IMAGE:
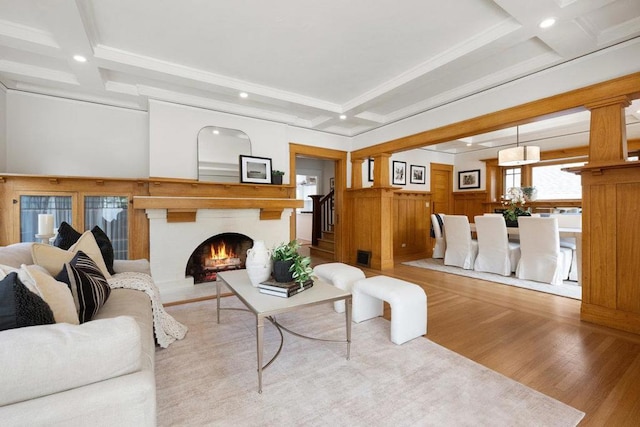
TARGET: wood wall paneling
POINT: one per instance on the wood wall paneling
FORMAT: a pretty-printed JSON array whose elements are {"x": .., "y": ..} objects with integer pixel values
[
  {"x": 411, "y": 224},
  {"x": 628, "y": 242}
]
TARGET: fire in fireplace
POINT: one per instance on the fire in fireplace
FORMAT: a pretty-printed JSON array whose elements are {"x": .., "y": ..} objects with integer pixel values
[{"x": 226, "y": 251}]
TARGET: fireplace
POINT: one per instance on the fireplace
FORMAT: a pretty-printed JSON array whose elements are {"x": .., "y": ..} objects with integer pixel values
[
  {"x": 222, "y": 252},
  {"x": 171, "y": 244}
]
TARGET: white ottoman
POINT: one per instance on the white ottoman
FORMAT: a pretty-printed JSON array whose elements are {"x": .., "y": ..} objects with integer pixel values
[
  {"x": 342, "y": 276},
  {"x": 408, "y": 303}
]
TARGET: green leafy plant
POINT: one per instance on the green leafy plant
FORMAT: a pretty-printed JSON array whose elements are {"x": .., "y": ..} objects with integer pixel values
[
  {"x": 301, "y": 265},
  {"x": 286, "y": 251},
  {"x": 276, "y": 172}
]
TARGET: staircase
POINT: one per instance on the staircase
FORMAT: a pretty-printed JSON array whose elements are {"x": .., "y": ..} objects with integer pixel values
[
  {"x": 325, "y": 247},
  {"x": 322, "y": 240}
]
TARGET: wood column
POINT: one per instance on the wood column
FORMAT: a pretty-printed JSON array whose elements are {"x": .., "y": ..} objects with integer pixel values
[
  {"x": 356, "y": 173},
  {"x": 608, "y": 137},
  {"x": 610, "y": 231},
  {"x": 381, "y": 170},
  {"x": 371, "y": 218}
]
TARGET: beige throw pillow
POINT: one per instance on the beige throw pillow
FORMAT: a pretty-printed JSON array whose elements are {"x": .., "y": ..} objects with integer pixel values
[
  {"x": 53, "y": 259},
  {"x": 56, "y": 294}
]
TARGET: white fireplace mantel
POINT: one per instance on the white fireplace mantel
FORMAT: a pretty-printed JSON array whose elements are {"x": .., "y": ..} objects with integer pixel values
[{"x": 172, "y": 243}]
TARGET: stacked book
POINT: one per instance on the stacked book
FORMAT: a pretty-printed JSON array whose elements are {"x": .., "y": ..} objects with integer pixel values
[{"x": 283, "y": 289}]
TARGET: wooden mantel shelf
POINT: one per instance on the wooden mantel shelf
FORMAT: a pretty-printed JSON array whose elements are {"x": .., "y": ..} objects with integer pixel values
[{"x": 270, "y": 208}]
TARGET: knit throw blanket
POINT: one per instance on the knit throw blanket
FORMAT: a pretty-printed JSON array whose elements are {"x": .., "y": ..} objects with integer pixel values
[{"x": 166, "y": 328}]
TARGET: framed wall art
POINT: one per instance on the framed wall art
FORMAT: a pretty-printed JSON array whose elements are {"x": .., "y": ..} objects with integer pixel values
[
  {"x": 370, "y": 169},
  {"x": 469, "y": 179},
  {"x": 399, "y": 173},
  {"x": 255, "y": 170},
  {"x": 417, "y": 174}
]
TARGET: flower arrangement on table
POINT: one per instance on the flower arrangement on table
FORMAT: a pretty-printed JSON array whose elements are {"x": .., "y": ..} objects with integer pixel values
[{"x": 514, "y": 202}]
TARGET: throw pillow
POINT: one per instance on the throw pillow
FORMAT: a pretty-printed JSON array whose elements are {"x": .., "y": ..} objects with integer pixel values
[
  {"x": 88, "y": 285},
  {"x": 56, "y": 294},
  {"x": 53, "y": 259},
  {"x": 106, "y": 247},
  {"x": 19, "y": 307},
  {"x": 68, "y": 236}
]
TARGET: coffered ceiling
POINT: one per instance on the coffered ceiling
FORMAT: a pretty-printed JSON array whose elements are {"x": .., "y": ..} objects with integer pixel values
[{"x": 301, "y": 62}]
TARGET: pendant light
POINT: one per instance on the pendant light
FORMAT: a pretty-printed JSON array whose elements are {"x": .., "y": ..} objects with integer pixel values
[{"x": 518, "y": 155}]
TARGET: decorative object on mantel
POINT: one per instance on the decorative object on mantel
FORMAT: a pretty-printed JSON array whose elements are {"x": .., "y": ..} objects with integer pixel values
[
  {"x": 289, "y": 265},
  {"x": 258, "y": 263},
  {"x": 514, "y": 202},
  {"x": 276, "y": 176},
  {"x": 519, "y": 155}
]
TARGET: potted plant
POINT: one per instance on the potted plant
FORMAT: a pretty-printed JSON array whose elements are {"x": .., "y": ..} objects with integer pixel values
[
  {"x": 289, "y": 265},
  {"x": 514, "y": 202},
  {"x": 276, "y": 176}
]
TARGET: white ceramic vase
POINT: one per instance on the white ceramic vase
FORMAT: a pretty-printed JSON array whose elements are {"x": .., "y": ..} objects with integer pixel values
[{"x": 258, "y": 263}]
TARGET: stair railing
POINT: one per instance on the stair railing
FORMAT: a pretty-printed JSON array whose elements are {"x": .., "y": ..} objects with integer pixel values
[{"x": 322, "y": 219}]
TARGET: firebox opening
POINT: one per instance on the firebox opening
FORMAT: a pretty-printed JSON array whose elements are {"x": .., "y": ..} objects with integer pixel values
[{"x": 225, "y": 251}]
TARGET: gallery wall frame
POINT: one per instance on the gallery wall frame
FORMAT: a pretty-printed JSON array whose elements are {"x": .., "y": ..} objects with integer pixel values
[
  {"x": 255, "y": 170},
  {"x": 417, "y": 174},
  {"x": 469, "y": 179},
  {"x": 399, "y": 173}
]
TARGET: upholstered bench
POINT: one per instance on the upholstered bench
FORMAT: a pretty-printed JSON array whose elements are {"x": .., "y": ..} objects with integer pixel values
[
  {"x": 408, "y": 303},
  {"x": 342, "y": 276}
]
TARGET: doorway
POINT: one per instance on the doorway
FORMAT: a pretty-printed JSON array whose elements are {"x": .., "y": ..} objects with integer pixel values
[{"x": 330, "y": 169}]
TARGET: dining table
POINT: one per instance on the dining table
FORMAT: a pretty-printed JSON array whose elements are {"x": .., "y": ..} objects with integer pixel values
[{"x": 568, "y": 232}]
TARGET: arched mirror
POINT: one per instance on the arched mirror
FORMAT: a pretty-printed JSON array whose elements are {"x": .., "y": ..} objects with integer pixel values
[{"x": 219, "y": 151}]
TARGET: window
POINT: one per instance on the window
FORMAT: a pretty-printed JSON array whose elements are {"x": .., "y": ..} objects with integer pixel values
[
  {"x": 306, "y": 185},
  {"x": 110, "y": 213},
  {"x": 512, "y": 178},
  {"x": 554, "y": 183},
  {"x": 31, "y": 206}
]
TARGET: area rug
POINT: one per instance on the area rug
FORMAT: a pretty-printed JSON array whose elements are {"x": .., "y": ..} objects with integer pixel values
[
  {"x": 567, "y": 289},
  {"x": 209, "y": 378}
]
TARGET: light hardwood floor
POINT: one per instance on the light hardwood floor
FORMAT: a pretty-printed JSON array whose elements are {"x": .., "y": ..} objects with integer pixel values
[{"x": 536, "y": 339}]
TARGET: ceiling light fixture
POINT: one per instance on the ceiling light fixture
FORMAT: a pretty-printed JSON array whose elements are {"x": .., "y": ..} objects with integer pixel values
[
  {"x": 79, "y": 58},
  {"x": 216, "y": 132},
  {"x": 546, "y": 23},
  {"x": 244, "y": 95},
  {"x": 518, "y": 156},
  {"x": 343, "y": 117}
]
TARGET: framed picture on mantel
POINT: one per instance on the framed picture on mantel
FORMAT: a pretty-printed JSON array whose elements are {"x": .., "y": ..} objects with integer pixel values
[{"x": 255, "y": 170}]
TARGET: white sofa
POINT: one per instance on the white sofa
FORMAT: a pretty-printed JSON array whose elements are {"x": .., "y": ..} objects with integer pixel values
[{"x": 99, "y": 373}]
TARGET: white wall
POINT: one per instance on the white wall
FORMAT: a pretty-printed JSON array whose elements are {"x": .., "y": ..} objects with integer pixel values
[
  {"x": 56, "y": 136},
  {"x": 173, "y": 131},
  {"x": 3, "y": 129},
  {"x": 417, "y": 157}
]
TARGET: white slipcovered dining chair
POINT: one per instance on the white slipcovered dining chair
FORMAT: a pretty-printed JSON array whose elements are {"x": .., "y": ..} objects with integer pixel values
[
  {"x": 438, "y": 232},
  {"x": 495, "y": 253},
  {"x": 570, "y": 220},
  {"x": 541, "y": 257},
  {"x": 461, "y": 250}
]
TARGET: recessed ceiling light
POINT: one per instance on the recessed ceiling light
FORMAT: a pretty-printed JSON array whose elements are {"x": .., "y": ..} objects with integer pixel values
[
  {"x": 343, "y": 117},
  {"x": 546, "y": 23},
  {"x": 244, "y": 95},
  {"x": 469, "y": 144},
  {"x": 79, "y": 58},
  {"x": 216, "y": 132}
]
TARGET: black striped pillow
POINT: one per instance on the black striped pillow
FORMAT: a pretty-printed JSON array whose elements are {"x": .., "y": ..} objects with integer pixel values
[{"x": 88, "y": 285}]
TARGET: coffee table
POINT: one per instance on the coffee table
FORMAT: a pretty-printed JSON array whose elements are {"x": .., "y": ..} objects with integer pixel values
[{"x": 265, "y": 306}]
